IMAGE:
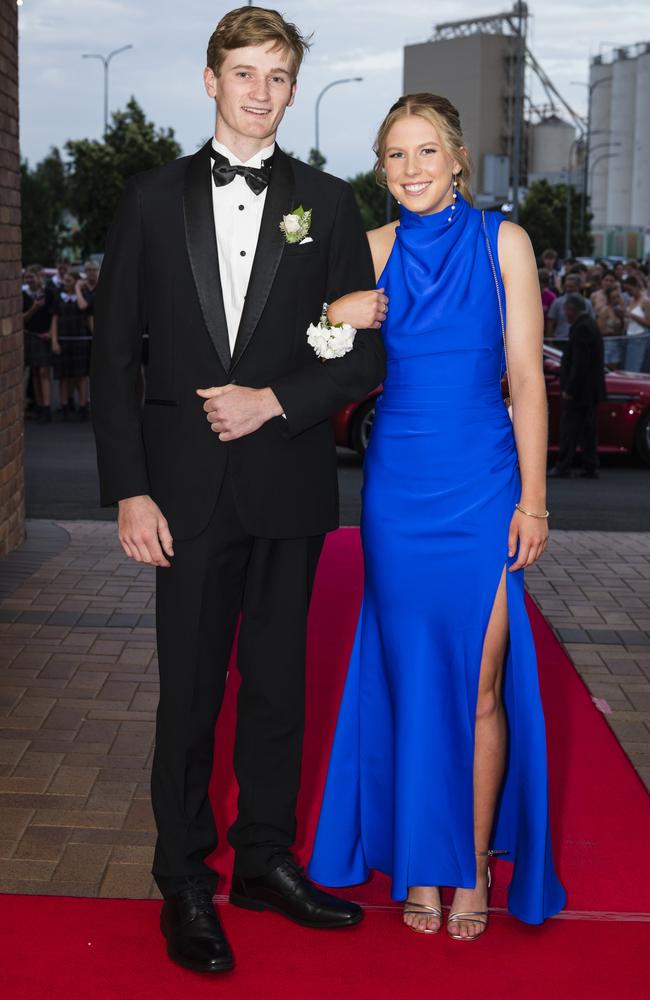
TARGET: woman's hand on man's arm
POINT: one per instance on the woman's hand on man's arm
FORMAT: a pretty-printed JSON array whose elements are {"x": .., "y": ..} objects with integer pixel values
[{"x": 362, "y": 310}]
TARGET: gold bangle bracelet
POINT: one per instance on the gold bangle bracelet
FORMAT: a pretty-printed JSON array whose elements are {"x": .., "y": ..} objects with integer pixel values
[{"x": 530, "y": 512}]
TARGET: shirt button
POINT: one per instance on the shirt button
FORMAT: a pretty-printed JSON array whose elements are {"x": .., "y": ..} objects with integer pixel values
[
  {"x": 241, "y": 208},
  {"x": 242, "y": 253}
]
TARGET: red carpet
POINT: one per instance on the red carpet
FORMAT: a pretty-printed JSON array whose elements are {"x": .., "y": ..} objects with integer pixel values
[
  {"x": 600, "y": 823},
  {"x": 112, "y": 950}
]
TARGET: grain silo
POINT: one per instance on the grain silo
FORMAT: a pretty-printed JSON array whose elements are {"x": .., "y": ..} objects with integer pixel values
[
  {"x": 619, "y": 148},
  {"x": 600, "y": 151},
  {"x": 551, "y": 150},
  {"x": 640, "y": 211}
]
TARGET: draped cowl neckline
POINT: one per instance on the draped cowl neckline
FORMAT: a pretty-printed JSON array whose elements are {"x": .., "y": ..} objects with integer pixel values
[
  {"x": 425, "y": 260},
  {"x": 422, "y": 230}
]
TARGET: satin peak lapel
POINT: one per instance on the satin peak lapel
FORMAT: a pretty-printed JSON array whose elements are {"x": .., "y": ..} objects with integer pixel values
[
  {"x": 268, "y": 254},
  {"x": 202, "y": 249}
]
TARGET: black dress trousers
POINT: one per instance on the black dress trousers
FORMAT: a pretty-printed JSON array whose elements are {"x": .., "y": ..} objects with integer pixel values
[
  {"x": 216, "y": 575},
  {"x": 578, "y": 427}
]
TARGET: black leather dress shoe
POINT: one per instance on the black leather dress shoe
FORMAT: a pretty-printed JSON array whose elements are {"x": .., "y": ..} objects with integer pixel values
[
  {"x": 286, "y": 890},
  {"x": 195, "y": 938}
]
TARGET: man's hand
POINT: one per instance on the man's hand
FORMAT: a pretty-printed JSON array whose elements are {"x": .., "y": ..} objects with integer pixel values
[
  {"x": 144, "y": 532},
  {"x": 234, "y": 410}
]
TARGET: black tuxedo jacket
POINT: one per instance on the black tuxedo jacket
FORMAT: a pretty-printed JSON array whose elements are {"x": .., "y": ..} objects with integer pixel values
[
  {"x": 160, "y": 275},
  {"x": 582, "y": 370}
]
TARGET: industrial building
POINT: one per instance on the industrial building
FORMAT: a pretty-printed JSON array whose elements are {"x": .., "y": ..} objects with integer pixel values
[
  {"x": 619, "y": 170},
  {"x": 484, "y": 67},
  {"x": 491, "y": 96},
  {"x": 482, "y": 92}
]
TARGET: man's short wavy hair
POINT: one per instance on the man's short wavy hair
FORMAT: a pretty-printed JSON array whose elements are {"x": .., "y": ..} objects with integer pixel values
[{"x": 256, "y": 26}]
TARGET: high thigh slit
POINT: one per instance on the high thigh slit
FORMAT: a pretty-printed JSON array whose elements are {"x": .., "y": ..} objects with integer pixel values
[{"x": 440, "y": 486}]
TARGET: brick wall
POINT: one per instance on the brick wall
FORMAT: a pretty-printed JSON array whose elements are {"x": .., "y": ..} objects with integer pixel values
[{"x": 12, "y": 503}]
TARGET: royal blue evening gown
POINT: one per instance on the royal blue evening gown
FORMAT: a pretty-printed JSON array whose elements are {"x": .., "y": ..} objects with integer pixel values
[{"x": 441, "y": 483}]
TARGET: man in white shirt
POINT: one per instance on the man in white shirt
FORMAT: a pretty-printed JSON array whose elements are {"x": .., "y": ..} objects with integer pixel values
[{"x": 227, "y": 481}]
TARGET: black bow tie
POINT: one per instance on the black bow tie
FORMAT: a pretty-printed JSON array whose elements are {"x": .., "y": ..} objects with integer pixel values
[{"x": 224, "y": 172}]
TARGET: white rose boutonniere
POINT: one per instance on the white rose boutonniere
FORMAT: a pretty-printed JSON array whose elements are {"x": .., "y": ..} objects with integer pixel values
[
  {"x": 296, "y": 225},
  {"x": 330, "y": 341}
]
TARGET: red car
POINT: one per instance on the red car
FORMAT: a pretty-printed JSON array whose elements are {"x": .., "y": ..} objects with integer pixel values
[{"x": 623, "y": 419}]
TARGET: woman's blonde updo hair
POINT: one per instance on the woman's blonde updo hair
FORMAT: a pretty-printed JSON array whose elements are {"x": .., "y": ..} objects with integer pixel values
[{"x": 444, "y": 117}]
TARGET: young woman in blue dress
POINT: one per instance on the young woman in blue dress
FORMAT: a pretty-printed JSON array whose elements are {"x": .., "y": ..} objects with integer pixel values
[{"x": 439, "y": 757}]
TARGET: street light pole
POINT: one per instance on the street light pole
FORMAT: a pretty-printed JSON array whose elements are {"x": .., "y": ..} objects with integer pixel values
[
  {"x": 567, "y": 213},
  {"x": 585, "y": 176},
  {"x": 603, "y": 156},
  {"x": 521, "y": 12},
  {"x": 334, "y": 83},
  {"x": 106, "y": 60}
]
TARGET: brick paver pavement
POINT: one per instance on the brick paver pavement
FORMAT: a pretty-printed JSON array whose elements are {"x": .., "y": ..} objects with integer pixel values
[{"x": 78, "y": 689}]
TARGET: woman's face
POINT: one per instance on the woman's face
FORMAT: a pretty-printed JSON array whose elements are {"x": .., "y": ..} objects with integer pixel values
[
  {"x": 68, "y": 282},
  {"x": 418, "y": 168}
]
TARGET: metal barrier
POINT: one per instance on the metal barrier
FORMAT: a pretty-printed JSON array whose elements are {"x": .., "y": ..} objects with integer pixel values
[{"x": 630, "y": 354}]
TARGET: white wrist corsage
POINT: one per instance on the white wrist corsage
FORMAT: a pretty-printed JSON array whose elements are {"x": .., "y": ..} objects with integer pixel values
[{"x": 329, "y": 341}]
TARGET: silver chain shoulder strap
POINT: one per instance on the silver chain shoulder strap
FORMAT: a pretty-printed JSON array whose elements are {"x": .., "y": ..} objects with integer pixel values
[{"x": 508, "y": 400}]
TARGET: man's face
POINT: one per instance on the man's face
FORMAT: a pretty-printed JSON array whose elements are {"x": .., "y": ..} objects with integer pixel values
[
  {"x": 253, "y": 89},
  {"x": 609, "y": 281},
  {"x": 91, "y": 274},
  {"x": 572, "y": 284},
  {"x": 33, "y": 281},
  {"x": 62, "y": 268}
]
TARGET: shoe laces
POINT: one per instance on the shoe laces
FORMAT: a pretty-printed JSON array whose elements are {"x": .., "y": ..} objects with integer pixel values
[
  {"x": 294, "y": 870},
  {"x": 198, "y": 897}
]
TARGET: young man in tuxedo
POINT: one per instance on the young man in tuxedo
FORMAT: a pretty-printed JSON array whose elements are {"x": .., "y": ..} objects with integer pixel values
[{"x": 229, "y": 490}]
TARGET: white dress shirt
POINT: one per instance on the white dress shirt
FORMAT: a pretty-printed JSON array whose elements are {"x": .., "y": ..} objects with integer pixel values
[{"x": 237, "y": 218}]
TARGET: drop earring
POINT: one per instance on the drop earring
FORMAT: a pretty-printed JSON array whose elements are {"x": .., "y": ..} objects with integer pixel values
[{"x": 454, "y": 197}]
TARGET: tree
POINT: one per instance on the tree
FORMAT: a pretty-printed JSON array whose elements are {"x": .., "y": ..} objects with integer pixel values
[
  {"x": 371, "y": 199},
  {"x": 543, "y": 216},
  {"x": 316, "y": 159},
  {"x": 44, "y": 203},
  {"x": 99, "y": 170}
]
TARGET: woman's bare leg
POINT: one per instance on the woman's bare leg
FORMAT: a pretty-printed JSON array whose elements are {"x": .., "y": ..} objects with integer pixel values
[{"x": 491, "y": 737}]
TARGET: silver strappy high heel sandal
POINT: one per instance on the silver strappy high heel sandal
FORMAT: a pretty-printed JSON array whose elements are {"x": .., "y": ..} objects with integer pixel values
[
  {"x": 411, "y": 908},
  {"x": 473, "y": 916}
]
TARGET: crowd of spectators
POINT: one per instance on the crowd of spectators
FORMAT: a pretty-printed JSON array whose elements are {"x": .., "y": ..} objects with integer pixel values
[
  {"x": 58, "y": 326},
  {"x": 616, "y": 295},
  {"x": 58, "y": 323}
]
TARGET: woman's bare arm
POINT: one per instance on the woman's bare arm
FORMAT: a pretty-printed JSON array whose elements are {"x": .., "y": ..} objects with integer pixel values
[{"x": 524, "y": 339}]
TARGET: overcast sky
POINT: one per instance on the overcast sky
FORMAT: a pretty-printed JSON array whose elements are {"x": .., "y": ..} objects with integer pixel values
[{"x": 62, "y": 95}]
